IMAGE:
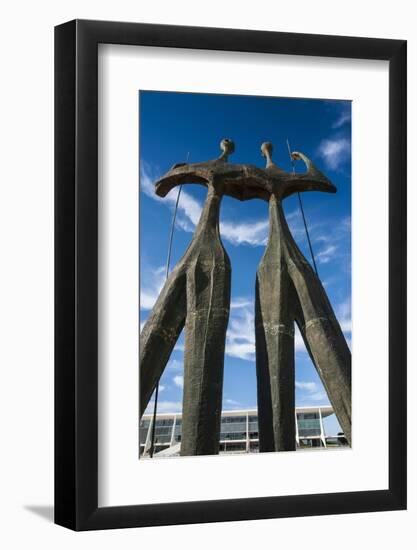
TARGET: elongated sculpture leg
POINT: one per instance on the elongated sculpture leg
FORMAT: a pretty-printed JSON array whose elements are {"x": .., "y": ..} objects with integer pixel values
[
  {"x": 160, "y": 333},
  {"x": 208, "y": 302},
  {"x": 197, "y": 294},
  {"x": 274, "y": 330},
  {"x": 325, "y": 341},
  {"x": 265, "y": 416},
  {"x": 275, "y": 367},
  {"x": 208, "y": 289}
]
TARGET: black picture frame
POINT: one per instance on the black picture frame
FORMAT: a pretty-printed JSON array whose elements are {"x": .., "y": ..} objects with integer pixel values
[{"x": 76, "y": 272}]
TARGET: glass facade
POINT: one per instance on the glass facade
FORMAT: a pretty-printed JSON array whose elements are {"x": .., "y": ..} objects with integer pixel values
[
  {"x": 163, "y": 430},
  {"x": 238, "y": 430},
  {"x": 143, "y": 430},
  {"x": 177, "y": 431},
  {"x": 233, "y": 428},
  {"x": 308, "y": 424}
]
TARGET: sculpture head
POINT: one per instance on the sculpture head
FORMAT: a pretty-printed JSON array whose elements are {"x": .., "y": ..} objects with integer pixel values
[
  {"x": 284, "y": 184},
  {"x": 266, "y": 149},
  {"x": 236, "y": 180},
  {"x": 228, "y": 147}
]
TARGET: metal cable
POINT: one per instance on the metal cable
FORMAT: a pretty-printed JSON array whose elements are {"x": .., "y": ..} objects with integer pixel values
[
  {"x": 302, "y": 213},
  {"x": 307, "y": 233},
  {"x": 171, "y": 235}
]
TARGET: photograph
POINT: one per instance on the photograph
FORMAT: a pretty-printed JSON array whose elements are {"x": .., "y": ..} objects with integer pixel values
[
  {"x": 209, "y": 335},
  {"x": 245, "y": 274}
]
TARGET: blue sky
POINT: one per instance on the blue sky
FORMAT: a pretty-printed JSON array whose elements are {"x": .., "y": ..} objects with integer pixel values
[{"x": 174, "y": 125}]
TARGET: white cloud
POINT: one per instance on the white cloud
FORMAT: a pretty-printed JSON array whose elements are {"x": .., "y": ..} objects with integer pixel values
[
  {"x": 182, "y": 223},
  {"x": 174, "y": 364},
  {"x": 189, "y": 211},
  {"x": 188, "y": 205},
  {"x": 231, "y": 402},
  {"x": 333, "y": 231},
  {"x": 255, "y": 234},
  {"x": 319, "y": 396},
  {"x": 298, "y": 340},
  {"x": 178, "y": 381},
  {"x": 241, "y": 302},
  {"x": 296, "y": 225},
  {"x": 334, "y": 152},
  {"x": 240, "y": 336},
  {"x": 344, "y": 316},
  {"x": 241, "y": 350},
  {"x": 164, "y": 407},
  {"x": 326, "y": 236},
  {"x": 179, "y": 347},
  {"x": 331, "y": 241},
  {"x": 151, "y": 285},
  {"x": 342, "y": 119},
  {"x": 326, "y": 254},
  {"x": 307, "y": 386},
  {"x": 311, "y": 391}
]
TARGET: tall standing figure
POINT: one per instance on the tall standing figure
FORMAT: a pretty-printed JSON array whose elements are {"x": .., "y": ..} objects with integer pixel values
[
  {"x": 288, "y": 290},
  {"x": 197, "y": 295}
]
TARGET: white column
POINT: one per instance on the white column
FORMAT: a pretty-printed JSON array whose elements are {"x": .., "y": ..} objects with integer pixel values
[
  {"x": 247, "y": 433},
  {"x": 172, "y": 442},
  {"x": 148, "y": 437},
  {"x": 297, "y": 437},
  {"x": 322, "y": 434}
]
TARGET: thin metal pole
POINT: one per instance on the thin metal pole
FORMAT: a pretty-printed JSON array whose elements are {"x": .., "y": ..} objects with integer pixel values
[
  {"x": 172, "y": 232},
  {"x": 155, "y": 405},
  {"x": 171, "y": 236},
  {"x": 308, "y": 235},
  {"x": 302, "y": 214}
]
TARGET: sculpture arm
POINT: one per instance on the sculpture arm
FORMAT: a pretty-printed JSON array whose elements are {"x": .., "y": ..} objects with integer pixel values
[
  {"x": 181, "y": 174},
  {"x": 311, "y": 180},
  {"x": 201, "y": 173}
]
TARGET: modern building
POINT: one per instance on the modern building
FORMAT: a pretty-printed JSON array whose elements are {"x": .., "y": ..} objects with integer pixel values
[{"x": 239, "y": 431}]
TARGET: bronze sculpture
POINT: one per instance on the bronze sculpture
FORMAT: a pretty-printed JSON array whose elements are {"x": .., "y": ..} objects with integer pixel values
[
  {"x": 197, "y": 295},
  {"x": 288, "y": 290}
]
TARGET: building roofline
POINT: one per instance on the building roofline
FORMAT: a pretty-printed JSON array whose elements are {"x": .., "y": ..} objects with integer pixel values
[{"x": 326, "y": 409}]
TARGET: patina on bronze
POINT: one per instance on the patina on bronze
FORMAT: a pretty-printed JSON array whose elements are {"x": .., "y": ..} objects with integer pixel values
[
  {"x": 288, "y": 290},
  {"x": 197, "y": 295}
]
